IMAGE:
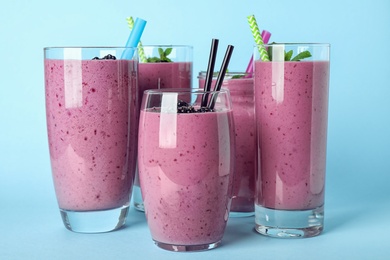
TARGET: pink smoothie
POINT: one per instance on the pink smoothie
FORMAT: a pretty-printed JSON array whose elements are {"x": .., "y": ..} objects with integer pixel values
[
  {"x": 89, "y": 121},
  {"x": 186, "y": 181},
  {"x": 292, "y": 125},
  {"x": 242, "y": 96},
  {"x": 160, "y": 75}
]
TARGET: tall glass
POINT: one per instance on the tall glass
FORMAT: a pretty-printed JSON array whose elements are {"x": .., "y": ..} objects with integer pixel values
[
  {"x": 291, "y": 102},
  {"x": 240, "y": 87},
  {"x": 91, "y": 113},
  {"x": 162, "y": 67},
  {"x": 186, "y": 167}
]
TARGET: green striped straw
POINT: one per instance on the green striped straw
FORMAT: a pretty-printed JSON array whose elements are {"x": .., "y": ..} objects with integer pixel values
[
  {"x": 141, "y": 52},
  {"x": 258, "y": 39}
]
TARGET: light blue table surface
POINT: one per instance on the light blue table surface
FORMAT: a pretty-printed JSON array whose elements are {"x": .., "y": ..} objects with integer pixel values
[{"x": 356, "y": 227}]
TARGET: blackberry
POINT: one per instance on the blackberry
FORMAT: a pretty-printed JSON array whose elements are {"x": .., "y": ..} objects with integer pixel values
[
  {"x": 204, "y": 110},
  {"x": 181, "y": 103},
  {"x": 107, "y": 57}
]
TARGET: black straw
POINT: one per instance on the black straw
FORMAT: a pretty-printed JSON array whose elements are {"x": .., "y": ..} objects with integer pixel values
[
  {"x": 210, "y": 71},
  {"x": 221, "y": 75}
]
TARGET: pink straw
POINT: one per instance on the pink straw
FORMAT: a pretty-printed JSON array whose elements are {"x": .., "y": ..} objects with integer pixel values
[{"x": 249, "y": 70}]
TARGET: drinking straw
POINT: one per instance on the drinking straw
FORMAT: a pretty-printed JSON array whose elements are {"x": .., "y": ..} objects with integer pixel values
[
  {"x": 265, "y": 35},
  {"x": 210, "y": 70},
  {"x": 221, "y": 74},
  {"x": 141, "y": 52},
  {"x": 134, "y": 38},
  {"x": 258, "y": 39},
  {"x": 249, "y": 69}
]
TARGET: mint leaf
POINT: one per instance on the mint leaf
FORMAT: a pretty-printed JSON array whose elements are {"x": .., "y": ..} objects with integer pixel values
[
  {"x": 163, "y": 56},
  {"x": 167, "y": 52},
  {"x": 302, "y": 55},
  {"x": 288, "y": 55},
  {"x": 238, "y": 76},
  {"x": 161, "y": 53},
  {"x": 165, "y": 59},
  {"x": 153, "y": 59},
  {"x": 269, "y": 53}
]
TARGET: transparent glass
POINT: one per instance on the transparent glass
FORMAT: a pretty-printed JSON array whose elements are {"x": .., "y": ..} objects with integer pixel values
[
  {"x": 241, "y": 90},
  {"x": 91, "y": 113},
  {"x": 185, "y": 167},
  {"x": 157, "y": 72},
  {"x": 291, "y": 103}
]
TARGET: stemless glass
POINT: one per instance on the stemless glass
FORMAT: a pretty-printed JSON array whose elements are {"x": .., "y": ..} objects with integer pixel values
[
  {"x": 91, "y": 112},
  {"x": 240, "y": 86},
  {"x": 291, "y": 102},
  {"x": 161, "y": 67},
  {"x": 186, "y": 165}
]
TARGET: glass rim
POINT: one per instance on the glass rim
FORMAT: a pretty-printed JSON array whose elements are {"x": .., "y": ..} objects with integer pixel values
[
  {"x": 184, "y": 91},
  {"x": 295, "y": 44},
  {"x": 168, "y": 46},
  {"x": 203, "y": 73},
  {"x": 87, "y": 47}
]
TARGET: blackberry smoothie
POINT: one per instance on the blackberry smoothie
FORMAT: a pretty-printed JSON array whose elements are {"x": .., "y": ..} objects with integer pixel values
[
  {"x": 91, "y": 109},
  {"x": 160, "y": 75},
  {"x": 292, "y": 134},
  {"x": 291, "y": 104},
  {"x": 242, "y": 96},
  {"x": 186, "y": 167},
  {"x": 165, "y": 72},
  {"x": 155, "y": 74}
]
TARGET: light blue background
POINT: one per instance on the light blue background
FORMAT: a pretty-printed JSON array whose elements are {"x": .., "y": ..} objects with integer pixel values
[{"x": 357, "y": 196}]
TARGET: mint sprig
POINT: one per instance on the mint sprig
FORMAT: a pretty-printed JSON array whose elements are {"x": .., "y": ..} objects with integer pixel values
[
  {"x": 288, "y": 55},
  {"x": 163, "y": 56}
]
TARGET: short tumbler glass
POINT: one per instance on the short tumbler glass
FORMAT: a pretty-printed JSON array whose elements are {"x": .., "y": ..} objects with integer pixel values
[
  {"x": 91, "y": 113},
  {"x": 291, "y": 104},
  {"x": 186, "y": 165}
]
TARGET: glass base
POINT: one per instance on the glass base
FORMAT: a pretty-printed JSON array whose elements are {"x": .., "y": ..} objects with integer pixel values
[
  {"x": 187, "y": 248},
  {"x": 239, "y": 214},
  {"x": 137, "y": 198},
  {"x": 242, "y": 206},
  {"x": 289, "y": 223},
  {"x": 94, "y": 221}
]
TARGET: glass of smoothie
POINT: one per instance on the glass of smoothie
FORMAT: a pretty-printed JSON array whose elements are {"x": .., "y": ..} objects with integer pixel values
[
  {"x": 291, "y": 104},
  {"x": 162, "y": 67},
  {"x": 241, "y": 92},
  {"x": 91, "y": 113},
  {"x": 186, "y": 167}
]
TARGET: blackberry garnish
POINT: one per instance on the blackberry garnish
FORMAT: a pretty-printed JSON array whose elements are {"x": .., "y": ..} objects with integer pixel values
[
  {"x": 107, "y": 57},
  {"x": 184, "y": 107}
]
